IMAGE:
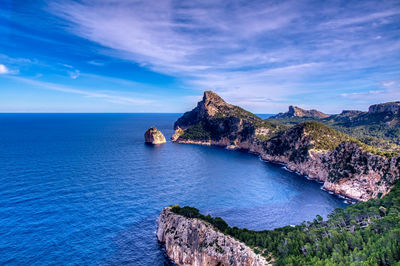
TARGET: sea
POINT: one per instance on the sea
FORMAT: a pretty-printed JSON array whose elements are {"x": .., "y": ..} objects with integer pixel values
[{"x": 84, "y": 189}]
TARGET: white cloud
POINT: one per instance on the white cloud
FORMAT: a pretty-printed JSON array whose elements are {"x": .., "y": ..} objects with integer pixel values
[
  {"x": 4, "y": 69},
  {"x": 96, "y": 63},
  {"x": 113, "y": 98}
]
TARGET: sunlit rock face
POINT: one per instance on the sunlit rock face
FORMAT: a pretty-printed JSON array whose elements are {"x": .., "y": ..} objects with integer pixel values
[
  {"x": 154, "y": 136},
  {"x": 191, "y": 241}
]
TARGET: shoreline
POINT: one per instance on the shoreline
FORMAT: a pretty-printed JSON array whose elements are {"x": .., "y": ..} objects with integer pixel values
[{"x": 347, "y": 200}]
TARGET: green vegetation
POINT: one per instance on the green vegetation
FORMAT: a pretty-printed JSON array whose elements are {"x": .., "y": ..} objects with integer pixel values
[
  {"x": 197, "y": 132},
  {"x": 238, "y": 112},
  {"x": 373, "y": 132},
  {"x": 324, "y": 137},
  {"x": 367, "y": 233},
  {"x": 191, "y": 212}
]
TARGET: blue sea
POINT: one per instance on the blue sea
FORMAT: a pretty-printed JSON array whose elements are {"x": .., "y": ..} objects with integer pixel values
[{"x": 85, "y": 189}]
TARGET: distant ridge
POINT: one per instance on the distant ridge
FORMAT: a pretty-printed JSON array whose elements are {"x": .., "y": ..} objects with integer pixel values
[{"x": 295, "y": 111}]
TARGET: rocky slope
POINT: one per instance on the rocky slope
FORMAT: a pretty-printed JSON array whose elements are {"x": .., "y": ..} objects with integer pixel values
[
  {"x": 385, "y": 114},
  {"x": 343, "y": 164},
  {"x": 295, "y": 111},
  {"x": 191, "y": 241},
  {"x": 154, "y": 136}
]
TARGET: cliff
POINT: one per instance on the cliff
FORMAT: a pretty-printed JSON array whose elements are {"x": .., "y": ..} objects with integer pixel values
[
  {"x": 154, "y": 136},
  {"x": 295, "y": 111},
  {"x": 390, "y": 107},
  {"x": 191, "y": 241},
  {"x": 345, "y": 165}
]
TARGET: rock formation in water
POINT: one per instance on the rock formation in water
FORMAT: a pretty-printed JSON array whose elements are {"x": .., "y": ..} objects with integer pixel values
[
  {"x": 295, "y": 111},
  {"x": 154, "y": 136},
  {"x": 342, "y": 163},
  {"x": 191, "y": 241}
]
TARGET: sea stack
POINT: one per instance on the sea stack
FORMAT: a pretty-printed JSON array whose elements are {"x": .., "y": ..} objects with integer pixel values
[{"x": 154, "y": 136}]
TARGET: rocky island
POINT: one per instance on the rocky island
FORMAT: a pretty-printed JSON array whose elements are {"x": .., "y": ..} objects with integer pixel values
[
  {"x": 154, "y": 136},
  {"x": 344, "y": 164}
]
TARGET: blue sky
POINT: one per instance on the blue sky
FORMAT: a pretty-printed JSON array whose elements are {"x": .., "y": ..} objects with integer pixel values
[{"x": 159, "y": 56}]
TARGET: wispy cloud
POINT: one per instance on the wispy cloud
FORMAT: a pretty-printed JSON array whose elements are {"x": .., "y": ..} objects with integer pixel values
[
  {"x": 86, "y": 93},
  {"x": 387, "y": 91},
  {"x": 74, "y": 74},
  {"x": 275, "y": 50},
  {"x": 96, "y": 63}
]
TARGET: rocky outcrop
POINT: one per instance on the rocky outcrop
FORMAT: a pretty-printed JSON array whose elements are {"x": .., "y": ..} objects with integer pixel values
[
  {"x": 391, "y": 107},
  {"x": 311, "y": 149},
  {"x": 191, "y": 241},
  {"x": 154, "y": 136},
  {"x": 295, "y": 111},
  {"x": 178, "y": 132}
]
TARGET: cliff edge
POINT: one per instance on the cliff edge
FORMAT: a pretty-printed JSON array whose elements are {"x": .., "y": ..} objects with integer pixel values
[{"x": 191, "y": 241}]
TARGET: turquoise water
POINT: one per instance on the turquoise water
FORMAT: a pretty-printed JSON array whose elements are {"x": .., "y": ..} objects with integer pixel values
[{"x": 85, "y": 189}]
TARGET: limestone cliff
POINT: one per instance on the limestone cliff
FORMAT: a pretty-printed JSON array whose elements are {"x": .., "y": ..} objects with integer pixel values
[
  {"x": 345, "y": 166},
  {"x": 295, "y": 111},
  {"x": 154, "y": 136},
  {"x": 391, "y": 107},
  {"x": 191, "y": 241}
]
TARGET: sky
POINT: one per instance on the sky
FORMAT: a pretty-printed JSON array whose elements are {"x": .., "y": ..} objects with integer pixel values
[{"x": 159, "y": 56}]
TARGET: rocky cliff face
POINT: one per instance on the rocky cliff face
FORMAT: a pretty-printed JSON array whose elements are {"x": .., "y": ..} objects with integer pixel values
[
  {"x": 295, "y": 111},
  {"x": 190, "y": 241},
  {"x": 393, "y": 107},
  {"x": 311, "y": 149},
  {"x": 347, "y": 170},
  {"x": 154, "y": 136}
]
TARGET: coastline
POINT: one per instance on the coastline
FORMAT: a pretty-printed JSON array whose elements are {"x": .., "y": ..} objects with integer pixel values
[{"x": 283, "y": 165}]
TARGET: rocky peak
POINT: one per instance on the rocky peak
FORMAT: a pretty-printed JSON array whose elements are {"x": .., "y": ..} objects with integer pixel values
[
  {"x": 295, "y": 111},
  {"x": 390, "y": 107},
  {"x": 212, "y": 104}
]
